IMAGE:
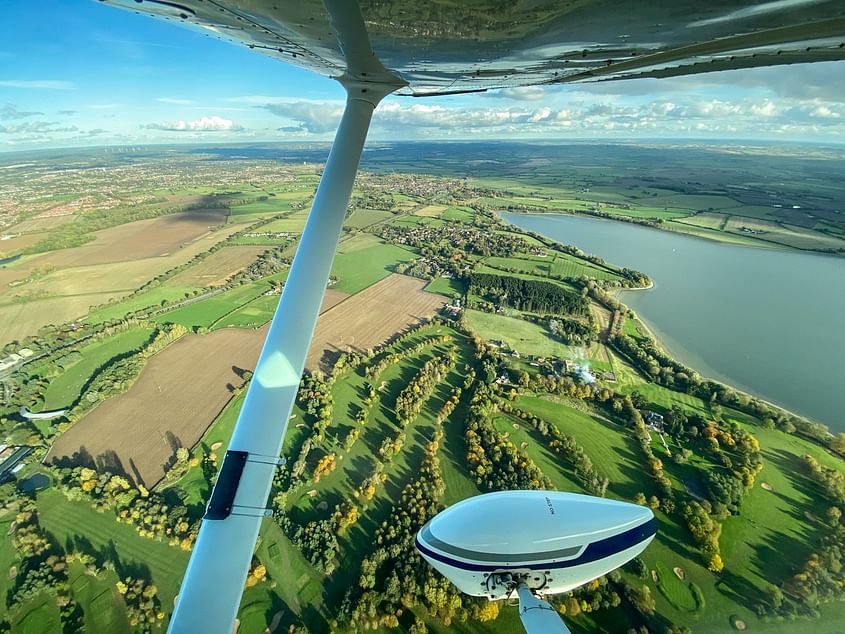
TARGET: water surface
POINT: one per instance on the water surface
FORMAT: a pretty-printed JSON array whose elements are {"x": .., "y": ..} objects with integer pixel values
[{"x": 769, "y": 322}]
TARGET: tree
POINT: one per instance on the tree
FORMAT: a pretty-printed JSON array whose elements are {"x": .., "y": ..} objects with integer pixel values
[
  {"x": 715, "y": 563},
  {"x": 775, "y": 597},
  {"x": 489, "y": 612}
]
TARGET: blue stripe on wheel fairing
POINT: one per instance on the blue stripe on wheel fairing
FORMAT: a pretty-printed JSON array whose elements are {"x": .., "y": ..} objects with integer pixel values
[{"x": 595, "y": 551}]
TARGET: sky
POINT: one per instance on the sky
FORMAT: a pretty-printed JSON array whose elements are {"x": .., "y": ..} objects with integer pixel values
[{"x": 76, "y": 73}]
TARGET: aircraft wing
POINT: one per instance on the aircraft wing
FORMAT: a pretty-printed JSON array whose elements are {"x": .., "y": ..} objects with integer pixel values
[{"x": 447, "y": 47}]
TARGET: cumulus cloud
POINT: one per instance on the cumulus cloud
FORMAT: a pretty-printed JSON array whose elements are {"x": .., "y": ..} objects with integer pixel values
[
  {"x": 204, "y": 124},
  {"x": 521, "y": 93},
  {"x": 311, "y": 116},
  {"x": 684, "y": 115},
  {"x": 37, "y": 84}
]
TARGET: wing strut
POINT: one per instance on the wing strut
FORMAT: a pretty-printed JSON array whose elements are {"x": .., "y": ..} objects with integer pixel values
[{"x": 211, "y": 589}]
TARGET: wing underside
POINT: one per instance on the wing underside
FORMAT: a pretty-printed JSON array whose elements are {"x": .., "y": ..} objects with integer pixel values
[{"x": 446, "y": 47}]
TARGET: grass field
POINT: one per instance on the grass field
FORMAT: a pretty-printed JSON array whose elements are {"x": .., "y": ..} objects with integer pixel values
[
  {"x": 10, "y": 245},
  {"x": 38, "y": 615},
  {"x": 77, "y": 524},
  {"x": 44, "y": 223},
  {"x": 789, "y": 235},
  {"x": 609, "y": 445},
  {"x": 148, "y": 299},
  {"x": 293, "y": 222},
  {"x": 430, "y": 211},
  {"x": 519, "y": 334},
  {"x": 708, "y": 220},
  {"x": 523, "y": 438},
  {"x": 357, "y": 242},
  {"x": 65, "y": 388},
  {"x": 102, "y": 604},
  {"x": 715, "y": 234},
  {"x": 357, "y": 269},
  {"x": 8, "y": 555},
  {"x": 458, "y": 214},
  {"x": 260, "y": 310},
  {"x": 664, "y": 213},
  {"x": 448, "y": 286},
  {"x": 276, "y": 204},
  {"x": 208, "y": 311},
  {"x": 365, "y": 217},
  {"x": 557, "y": 264}
]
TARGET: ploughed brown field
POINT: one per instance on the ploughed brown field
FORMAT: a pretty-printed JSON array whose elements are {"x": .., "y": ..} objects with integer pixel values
[
  {"x": 218, "y": 267},
  {"x": 19, "y": 242},
  {"x": 370, "y": 317},
  {"x": 178, "y": 395},
  {"x": 132, "y": 241}
]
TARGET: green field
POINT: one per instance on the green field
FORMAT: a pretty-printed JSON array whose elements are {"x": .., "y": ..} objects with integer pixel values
[
  {"x": 365, "y": 217},
  {"x": 518, "y": 334},
  {"x": 38, "y": 615},
  {"x": 458, "y": 214},
  {"x": 556, "y": 264},
  {"x": 610, "y": 447},
  {"x": 104, "y": 609},
  {"x": 65, "y": 388},
  {"x": 276, "y": 204},
  {"x": 448, "y": 286},
  {"x": 294, "y": 222},
  {"x": 256, "y": 313},
  {"x": 358, "y": 269},
  {"x": 147, "y": 299},
  {"x": 8, "y": 555},
  {"x": 206, "y": 312},
  {"x": 79, "y": 525}
]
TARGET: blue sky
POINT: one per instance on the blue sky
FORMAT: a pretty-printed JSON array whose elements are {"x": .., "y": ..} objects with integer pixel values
[{"x": 75, "y": 72}]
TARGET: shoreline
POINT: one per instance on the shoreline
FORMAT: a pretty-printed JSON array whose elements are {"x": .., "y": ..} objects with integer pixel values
[
  {"x": 683, "y": 353},
  {"x": 760, "y": 244},
  {"x": 661, "y": 345}
]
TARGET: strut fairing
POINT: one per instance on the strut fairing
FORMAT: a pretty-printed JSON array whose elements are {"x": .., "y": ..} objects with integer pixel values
[{"x": 439, "y": 48}]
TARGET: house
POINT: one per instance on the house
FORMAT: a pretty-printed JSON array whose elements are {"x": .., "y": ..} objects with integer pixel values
[{"x": 652, "y": 420}]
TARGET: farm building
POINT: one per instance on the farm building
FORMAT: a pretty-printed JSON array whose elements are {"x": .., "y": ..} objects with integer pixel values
[{"x": 653, "y": 420}]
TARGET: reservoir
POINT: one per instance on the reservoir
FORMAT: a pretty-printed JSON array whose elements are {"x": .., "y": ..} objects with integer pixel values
[{"x": 769, "y": 322}]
